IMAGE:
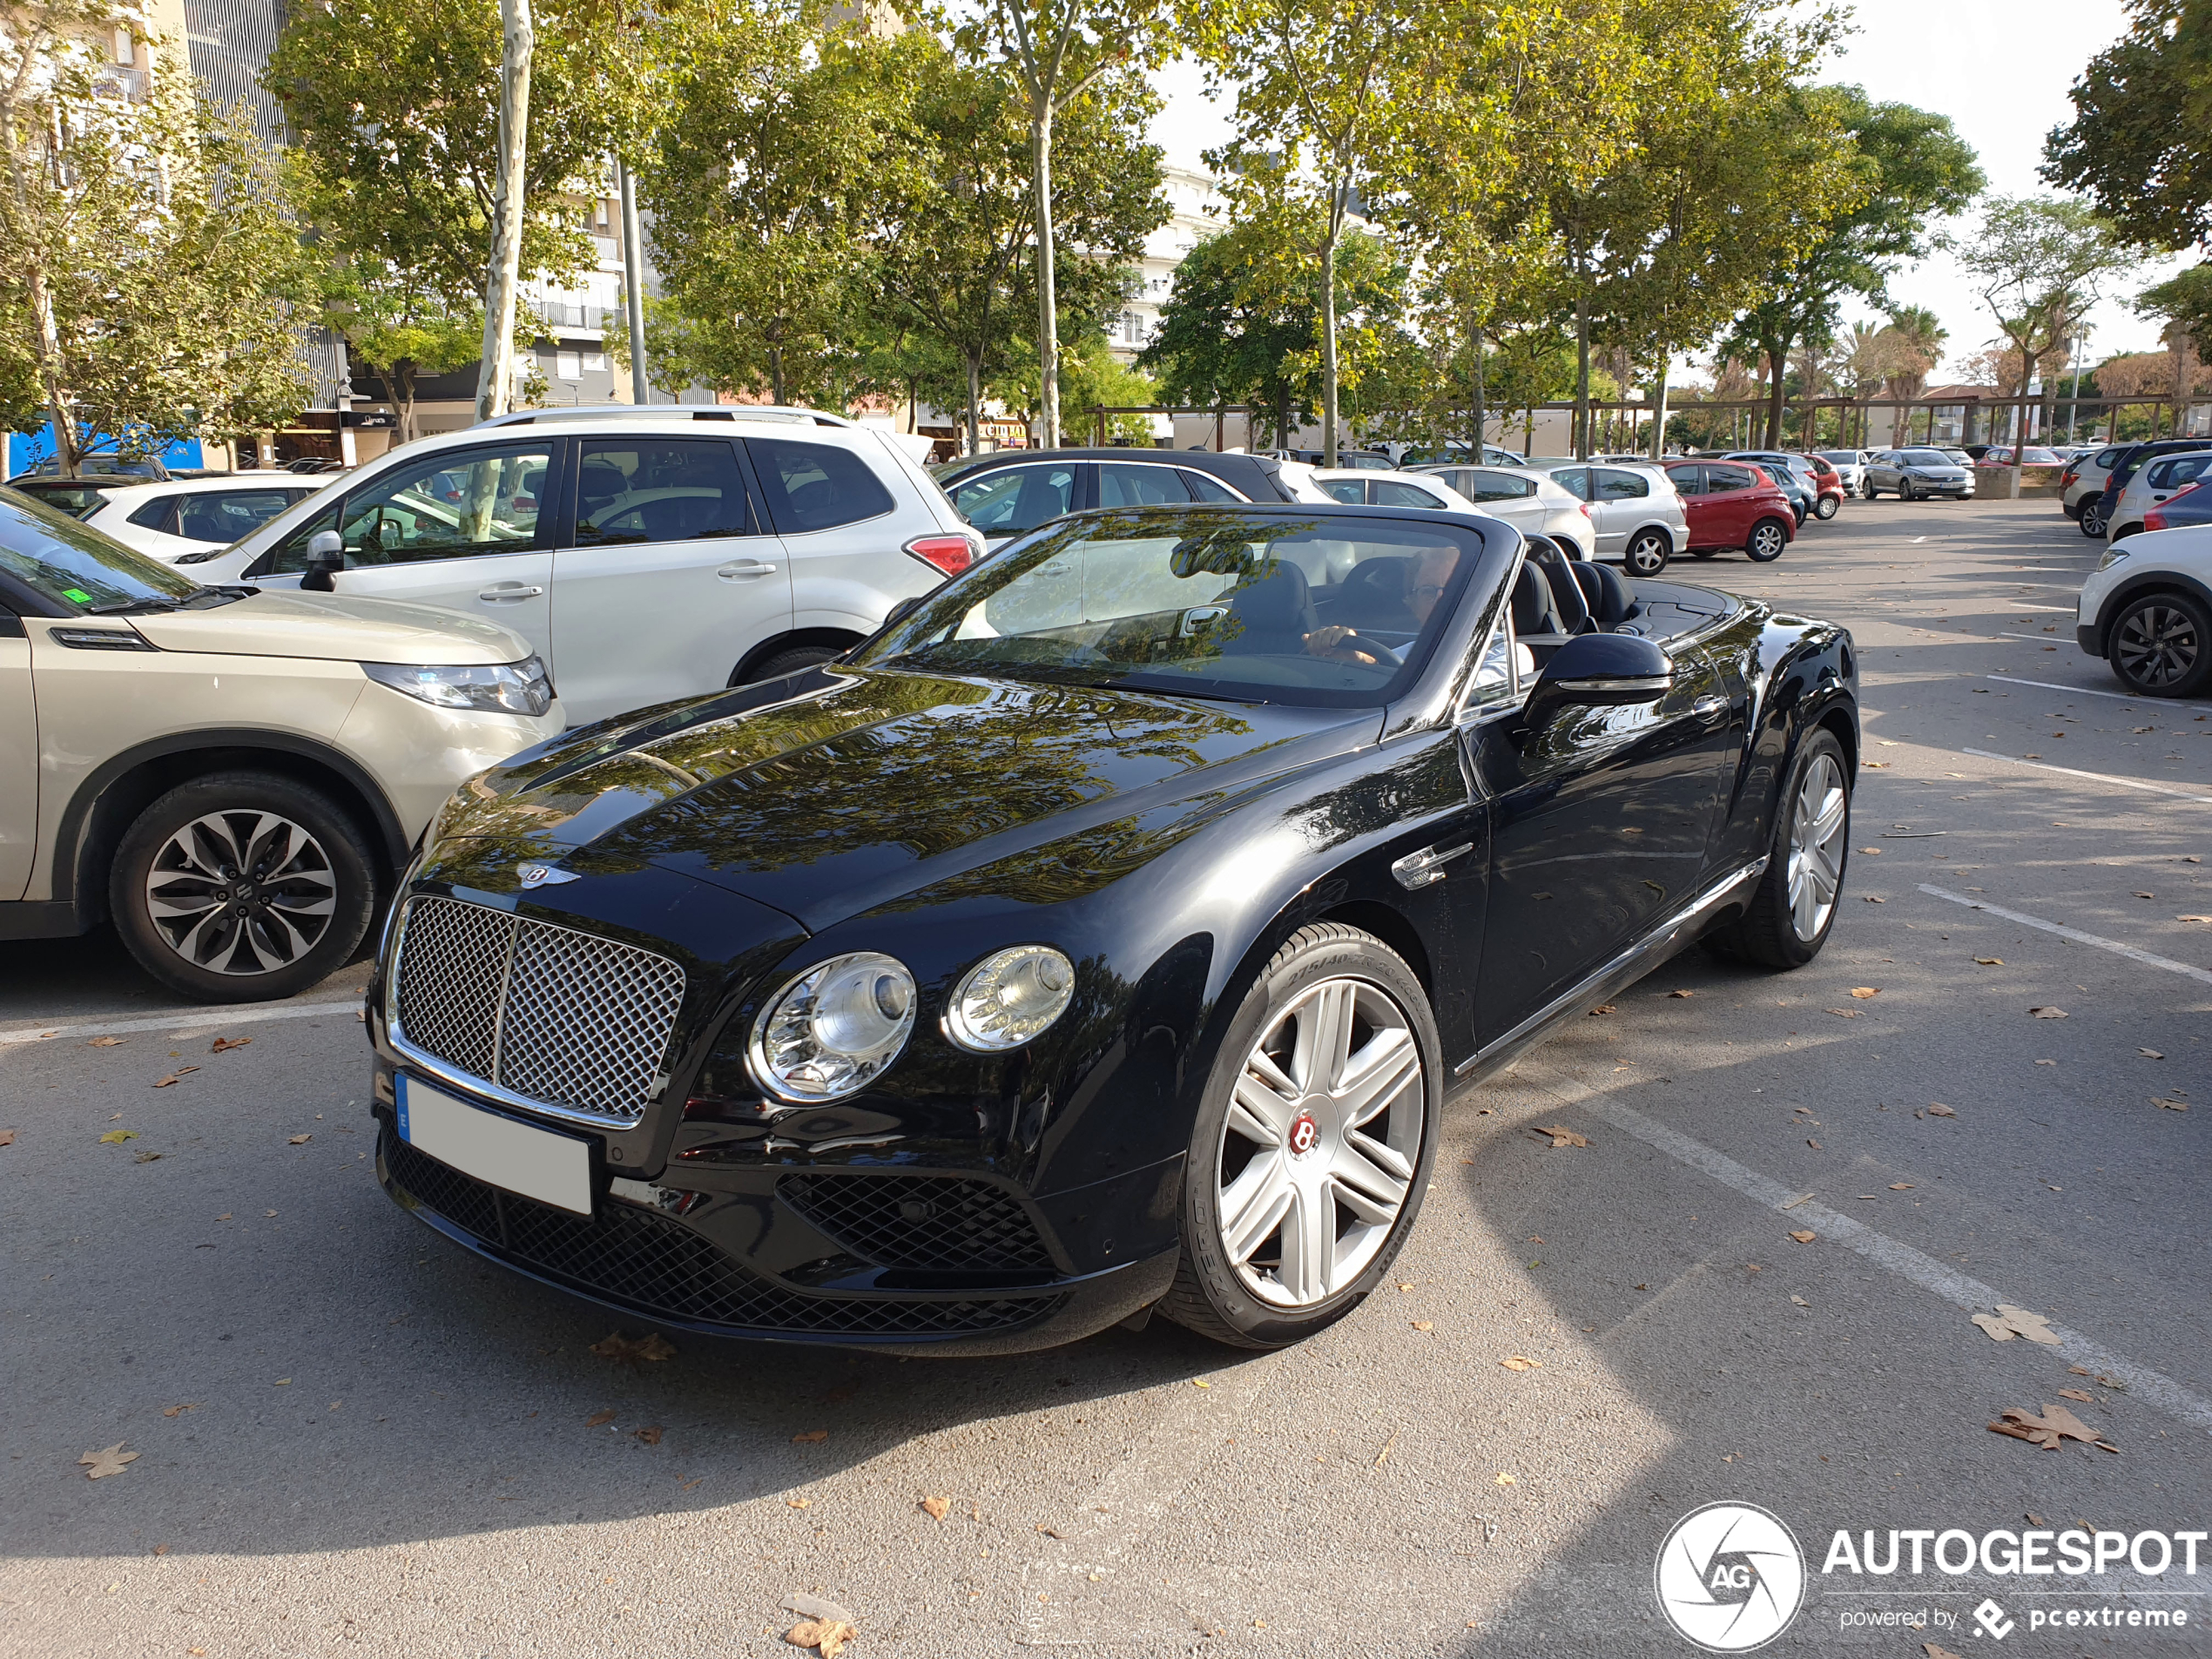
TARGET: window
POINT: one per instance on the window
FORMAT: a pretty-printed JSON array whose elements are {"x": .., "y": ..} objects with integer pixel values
[
  {"x": 222, "y": 516},
  {"x": 2182, "y": 470},
  {"x": 569, "y": 364},
  {"x": 1205, "y": 489},
  {"x": 159, "y": 514},
  {"x": 1124, "y": 485},
  {"x": 1719, "y": 479},
  {"x": 1575, "y": 480},
  {"x": 595, "y": 362},
  {"x": 457, "y": 506},
  {"x": 1351, "y": 491},
  {"x": 1495, "y": 682},
  {"x": 1689, "y": 481},
  {"x": 816, "y": 486},
  {"x": 678, "y": 490},
  {"x": 1620, "y": 486},
  {"x": 1014, "y": 500},
  {"x": 1493, "y": 486},
  {"x": 1391, "y": 493}
]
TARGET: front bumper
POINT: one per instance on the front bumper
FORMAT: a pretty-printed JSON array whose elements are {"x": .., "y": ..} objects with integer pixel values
[{"x": 2087, "y": 635}]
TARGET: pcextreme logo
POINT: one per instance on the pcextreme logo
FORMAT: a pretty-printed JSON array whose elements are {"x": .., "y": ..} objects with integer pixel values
[{"x": 1730, "y": 1577}]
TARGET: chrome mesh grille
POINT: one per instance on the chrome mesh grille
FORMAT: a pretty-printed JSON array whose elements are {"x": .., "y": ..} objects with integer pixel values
[{"x": 566, "y": 1018}]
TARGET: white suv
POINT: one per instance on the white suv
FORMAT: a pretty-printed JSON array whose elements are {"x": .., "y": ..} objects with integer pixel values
[
  {"x": 232, "y": 777},
  {"x": 646, "y": 554},
  {"x": 2146, "y": 610}
]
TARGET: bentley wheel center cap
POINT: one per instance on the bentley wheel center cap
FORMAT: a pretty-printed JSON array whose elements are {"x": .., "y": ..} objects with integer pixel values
[{"x": 1305, "y": 1135}]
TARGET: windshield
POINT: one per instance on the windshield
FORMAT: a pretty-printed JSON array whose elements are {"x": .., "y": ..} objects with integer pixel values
[
  {"x": 1841, "y": 457},
  {"x": 1925, "y": 458},
  {"x": 1320, "y": 611},
  {"x": 73, "y": 565}
]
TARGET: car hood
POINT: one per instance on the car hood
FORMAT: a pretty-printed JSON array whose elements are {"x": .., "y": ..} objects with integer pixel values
[
  {"x": 840, "y": 789},
  {"x": 326, "y": 626}
]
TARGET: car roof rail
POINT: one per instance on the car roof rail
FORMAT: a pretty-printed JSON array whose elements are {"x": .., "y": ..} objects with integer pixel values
[{"x": 779, "y": 414}]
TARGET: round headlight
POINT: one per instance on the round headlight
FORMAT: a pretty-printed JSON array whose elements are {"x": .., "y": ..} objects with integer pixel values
[
  {"x": 835, "y": 1028},
  {"x": 1009, "y": 997}
]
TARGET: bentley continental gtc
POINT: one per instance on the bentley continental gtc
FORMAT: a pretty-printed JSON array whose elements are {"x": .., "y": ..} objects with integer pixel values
[{"x": 1101, "y": 936}]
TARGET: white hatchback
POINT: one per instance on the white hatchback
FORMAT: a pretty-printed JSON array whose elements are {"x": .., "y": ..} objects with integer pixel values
[
  {"x": 177, "y": 516},
  {"x": 647, "y": 554}
]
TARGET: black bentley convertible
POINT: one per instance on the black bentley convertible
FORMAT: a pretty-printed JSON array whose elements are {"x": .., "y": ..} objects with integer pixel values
[{"x": 1102, "y": 935}]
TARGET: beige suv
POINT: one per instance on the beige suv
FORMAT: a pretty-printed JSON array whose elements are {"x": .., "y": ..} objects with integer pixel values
[{"x": 234, "y": 777}]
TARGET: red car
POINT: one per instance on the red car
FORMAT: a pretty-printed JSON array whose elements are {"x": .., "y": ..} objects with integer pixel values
[
  {"x": 1831, "y": 499},
  {"x": 1731, "y": 504}
]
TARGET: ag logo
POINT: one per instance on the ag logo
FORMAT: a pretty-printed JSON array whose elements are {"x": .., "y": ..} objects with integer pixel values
[{"x": 1730, "y": 1577}]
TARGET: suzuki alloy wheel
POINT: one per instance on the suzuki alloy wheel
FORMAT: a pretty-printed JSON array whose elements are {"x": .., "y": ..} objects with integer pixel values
[
  {"x": 1794, "y": 906},
  {"x": 1766, "y": 541},
  {"x": 1647, "y": 553},
  {"x": 2162, "y": 645},
  {"x": 1313, "y": 1144},
  {"x": 241, "y": 888}
]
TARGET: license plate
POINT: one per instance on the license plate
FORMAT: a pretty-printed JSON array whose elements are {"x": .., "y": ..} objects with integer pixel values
[{"x": 516, "y": 1156}]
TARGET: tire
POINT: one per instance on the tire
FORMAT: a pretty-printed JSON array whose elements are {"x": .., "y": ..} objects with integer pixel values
[
  {"x": 1647, "y": 553},
  {"x": 2161, "y": 644},
  {"x": 1907, "y": 492},
  {"x": 262, "y": 939},
  {"x": 1871, "y": 494},
  {"x": 1826, "y": 507},
  {"x": 1794, "y": 908},
  {"x": 1257, "y": 1290},
  {"x": 785, "y": 662},
  {"x": 2123, "y": 533},
  {"x": 1704, "y": 552},
  {"x": 1765, "y": 544},
  {"x": 2092, "y": 521}
]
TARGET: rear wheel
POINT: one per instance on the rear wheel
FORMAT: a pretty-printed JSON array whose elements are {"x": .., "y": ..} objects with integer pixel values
[
  {"x": 2092, "y": 521},
  {"x": 1647, "y": 554},
  {"x": 1313, "y": 1143},
  {"x": 1825, "y": 507},
  {"x": 242, "y": 887},
  {"x": 2161, "y": 645},
  {"x": 786, "y": 662},
  {"x": 1766, "y": 541},
  {"x": 1795, "y": 903}
]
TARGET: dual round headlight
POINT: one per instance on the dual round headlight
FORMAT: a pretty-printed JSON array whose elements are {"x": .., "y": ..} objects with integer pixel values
[{"x": 836, "y": 1027}]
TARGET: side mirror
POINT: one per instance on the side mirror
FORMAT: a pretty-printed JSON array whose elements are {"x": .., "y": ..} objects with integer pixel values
[
  {"x": 326, "y": 557},
  {"x": 1601, "y": 668}
]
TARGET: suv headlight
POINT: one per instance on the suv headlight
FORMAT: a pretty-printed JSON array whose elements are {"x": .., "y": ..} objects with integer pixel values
[
  {"x": 2113, "y": 555},
  {"x": 834, "y": 1028},
  {"x": 495, "y": 688},
  {"x": 1009, "y": 997}
]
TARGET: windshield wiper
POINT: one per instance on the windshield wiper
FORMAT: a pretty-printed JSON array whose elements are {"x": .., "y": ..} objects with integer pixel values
[
  {"x": 1128, "y": 683},
  {"x": 140, "y": 607}
]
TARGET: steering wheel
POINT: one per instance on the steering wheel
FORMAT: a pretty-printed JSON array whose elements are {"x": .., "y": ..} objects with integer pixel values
[{"x": 1383, "y": 655}]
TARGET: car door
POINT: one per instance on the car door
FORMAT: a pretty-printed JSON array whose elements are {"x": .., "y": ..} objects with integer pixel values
[
  {"x": 1732, "y": 503},
  {"x": 1136, "y": 484},
  {"x": 1502, "y": 494},
  {"x": 1599, "y": 826},
  {"x": 18, "y": 760},
  {"x": 669, "y": 578},
  {"x": 1620, "y": 505},
  {"x": 1696, "y": 504},
  {"x": 467, "y": 530},
  {"x": 1010, "y": 501}
]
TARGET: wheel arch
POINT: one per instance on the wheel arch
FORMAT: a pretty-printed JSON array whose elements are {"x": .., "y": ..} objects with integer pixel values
[
  {"x": 2140, "y": 585},
  {"x": 93, "y": 823},
  {"x": 835, "y": 638}
]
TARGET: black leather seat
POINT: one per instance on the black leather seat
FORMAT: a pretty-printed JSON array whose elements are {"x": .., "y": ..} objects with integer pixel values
[
  {"x": 1372, "y": 594},
  {"x": 1611, "y": 600},
  {"x": 1271, "y": 613},
  {"x": 1535, "y": 608}
]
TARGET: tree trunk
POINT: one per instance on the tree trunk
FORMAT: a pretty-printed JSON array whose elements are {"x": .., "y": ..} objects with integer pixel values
[
  {"x": 1659, "y": 412},
  {"x": 1582, "y": 370},
  {"x": 1329, "y": 329},
  {"x": 1478, "y": 416},
  {"x": 399, "y": 390},
  {"x": 775, "y": 373},
  {"x": 1777, "y": 360},
  {"x": 2181, "y": 380},
  {"x": 495, "y": 373},
  {"x": 1809, "y": 428},
  {"x": 974, "y": 405},
  {"x": 633, "y": 283},
  {"x": 1048, "y": 299}
]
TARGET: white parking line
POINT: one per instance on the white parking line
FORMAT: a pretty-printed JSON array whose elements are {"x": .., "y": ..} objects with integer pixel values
[
  {"x": 2093, "y": 776},
  {"x": 2075, "y": 934},
  {"x": 2038, "y": 639},
  {"x": 186, "y": 1021},
  {"x": 2085, "y": 690},
  {"x": 1921, "y": 1268}
]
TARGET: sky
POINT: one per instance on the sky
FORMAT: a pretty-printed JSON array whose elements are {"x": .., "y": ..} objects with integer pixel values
[{"x": 2000, "y": 71}]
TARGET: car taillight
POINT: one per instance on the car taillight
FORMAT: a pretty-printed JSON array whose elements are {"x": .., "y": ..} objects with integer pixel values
[
  {"x": 2069, "y": 478},
  {"x": 1585, "y": 506},
  {"x": 951, "y": 554}
]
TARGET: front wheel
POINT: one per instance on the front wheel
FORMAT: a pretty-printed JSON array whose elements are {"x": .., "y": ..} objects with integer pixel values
[
  {"x": 1647, "y": 554},
  {"x": 242, "y": 887},
  {"x": 2162, "y": 645},
  {"x": 2092, "y": 521},
  {"x": 1825, "y": 507},
  {"x": 1795, "y": 904},
  {"x": 1766, "y": 541},
  {"x": 1313, "y": 1143}
]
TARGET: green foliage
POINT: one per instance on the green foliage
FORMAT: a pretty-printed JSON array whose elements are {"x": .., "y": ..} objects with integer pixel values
[
  {"x": 2039, "y": 265},
  {"x": 2140, "y": 143},
  {"x": 2185, "y": 301}
]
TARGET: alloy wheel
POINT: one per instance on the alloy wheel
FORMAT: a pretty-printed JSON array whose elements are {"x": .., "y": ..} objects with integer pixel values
[
  {"x": 1647, "y": 554},
  {"x": 2155, "y": 646},
  {"x": 1766, "y": 542},
  {"x": 1320, "y": 1142},
  {"x": 1819, "y": 819},
  {"x": 2093, "y": 520},
  {"x": 241, "y": 892}
]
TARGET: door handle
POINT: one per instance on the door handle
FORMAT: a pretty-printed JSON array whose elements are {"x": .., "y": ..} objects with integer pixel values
[
  {"x": 737, "y": 570},
  {"x": 1708, "y": 706},
  {"x": 502, "y": 590}
]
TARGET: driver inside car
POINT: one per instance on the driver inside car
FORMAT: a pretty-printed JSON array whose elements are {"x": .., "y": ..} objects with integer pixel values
[{"x": 1431, "y": 574}]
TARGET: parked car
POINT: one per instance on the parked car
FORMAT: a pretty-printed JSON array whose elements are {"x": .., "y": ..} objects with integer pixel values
[
  {"x": 2000, "y": 455},
  {"x": 167, "y": 521},
  {"x": 1366, "y": 487},
  {"x": 1790, "y": 473},
  {"x": 1529, "y": 499},
  {"x": 858, "y": 1010},
  {"x": 2146, "y": 610},
  {"x": 1732, "y": 504},
  {"x": 2154, "y": 483},
  {"x": 144, "y": 469},
  {"x": 1455, "y": 453},
  {"x": 1345, "y": 457},
  {"x": 2083, "y": 481},
  {"x": 2099, "y": 512},
  {"x": 646, "y": 554},
  {"x": 1850, "y": 467},
  {"x": 77, "y": 496},
  {"x": 1918, "y": 473},
  {"x": 1015, "y": 491},
  {"x": 1828, "y": 482},
  {"x": 1635, "y": 514},
  {"x": 231, "y": 777},
  {"x": 2190, "y": 504}
]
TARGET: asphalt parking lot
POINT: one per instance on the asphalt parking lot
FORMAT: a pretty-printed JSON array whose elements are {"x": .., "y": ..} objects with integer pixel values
[{"x": 352, "y": 1437}]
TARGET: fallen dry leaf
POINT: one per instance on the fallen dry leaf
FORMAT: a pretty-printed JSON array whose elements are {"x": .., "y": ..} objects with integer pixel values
[
  {"x": 1603, "y": 1007},
  {"x": 1865, "y": 993},
  {"x": 2048, "y": 1014},
  {"x": 2081, "y": 1394},
  {"x": 1900, "y": 1186},
  {"x": 2193, "y": 918},
  {"x": 116, "y": 1136},
  {"x": 1936, "y": 1650},
  {"x": 935, "y": 1508},
  {"x": 2170, "y": 1105},
  {"x": 1682, "y": 993},
  {"x": 1846, "y": 1014},
  {"x": 109, "y": 1459},
  {"x": 1871, "y": 851},
  {"x": 1805, "y": 1237},
  {"x": 2047, "y": 1429},
  {"x": 147, "y": 1158},
  {"x": 173, "y": 1410},
  {"x": 1520, "y": 1362},
  {"x": 1875, "y": 765},
  {"x": 634, "y": 1350},
  {"x": 799, "y": 1503},
  {"x": 1938, "y": 1110},
  {"x": 1561, "y": 1135},
  {"x": 298, "y": 1140},
  {"x": 1870, "y": 899},
  {"x": 1505, "y": 1479},
  {"x": 173, "y": 1076},
  {"x": 812, "y": 1437},
  {"x": 1990, "y": 962},
  {"x": 105, "y": 1043},
  {"x": 1812, "y": 1143},
  {"x": 599, "y": 1419},
  {"x": 224, "y": 1043},
  {"x": 827, "y": 1636},
  {"x": 1801, "y": 1301},
  {"x": 1423, "y": 1325},
  {"x": 2146, "y": 896},
  {"x": 651, "y": 1436},
  {"x": 7, "y": 1137},
  {"x": 2009, "y": 1322}
]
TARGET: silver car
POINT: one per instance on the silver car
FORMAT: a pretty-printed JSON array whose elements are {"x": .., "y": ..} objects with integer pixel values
[
  {"x": 2153, "y": 481},
  {"x": 1528, "y": 498},
  {"x": 1915, "y": 474},
  {"x": 1851, "y": 466},
  {"x": 1633, "y": 507}
]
